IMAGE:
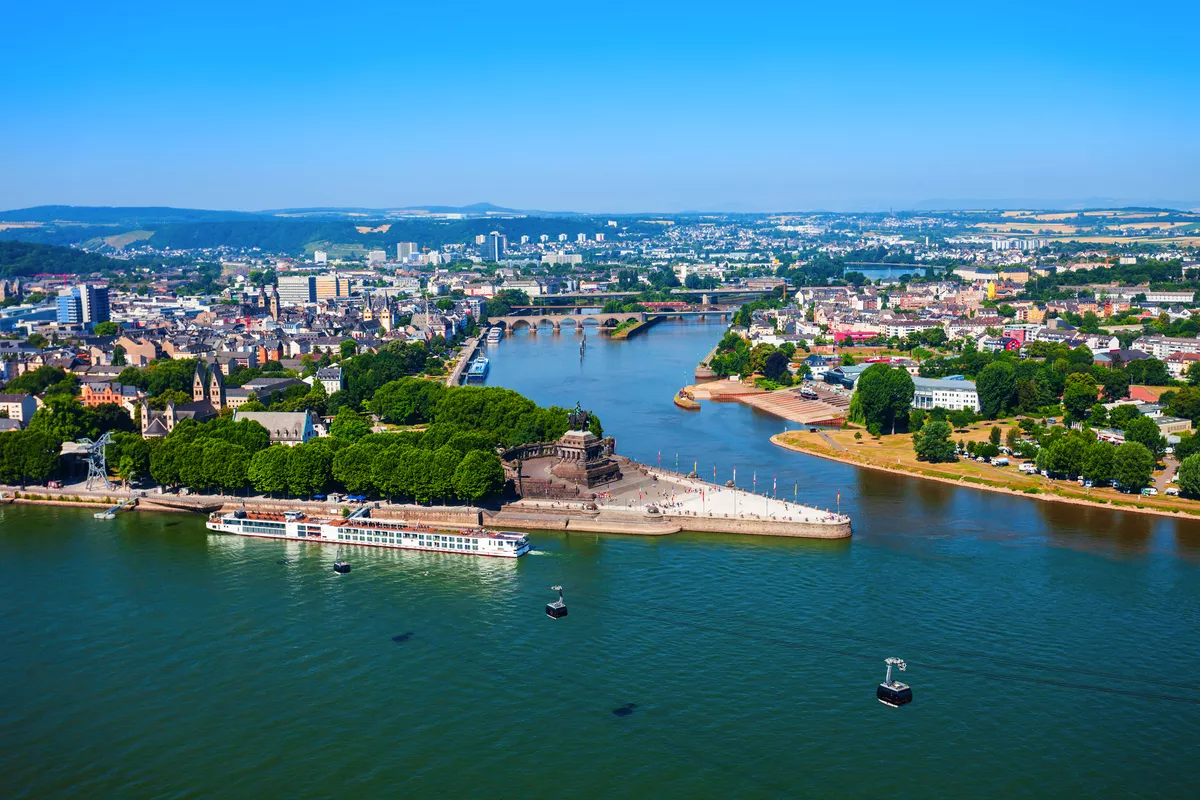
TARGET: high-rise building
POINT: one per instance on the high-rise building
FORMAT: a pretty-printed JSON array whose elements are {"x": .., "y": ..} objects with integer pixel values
[
  {"x": 297, "y": 289},
  {"x": 83, "y": 304},
  {"x": 94, "y": 303},
  {"x": 405, "y": 250},
  {"x": 524, "y": 240},
  {"x": 70, "y": 307},
  {"x": 599, "y": 237},
  {"x": 327, "y": 287},
  {"x": 493, "y": 246},
  {"x": 481, "y": 238},
  {"x": 543, "y": 238},
  {"x": 377, "y": 256},
  {"x": 562, "y": 237},
  {"x": 581, "y": 237},
  {"x": 320, "y": 257}
]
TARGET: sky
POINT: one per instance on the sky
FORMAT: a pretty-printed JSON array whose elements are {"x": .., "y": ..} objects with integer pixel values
[{"x": 610, "y": 107}]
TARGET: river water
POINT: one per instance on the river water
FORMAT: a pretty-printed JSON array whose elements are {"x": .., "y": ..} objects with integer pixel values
[{"x": 146, "y": 658}]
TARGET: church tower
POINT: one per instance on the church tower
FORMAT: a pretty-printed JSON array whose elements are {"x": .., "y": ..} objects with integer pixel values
[
  {"x": 216, "y": 388},
  {"x": 198, "y": 381}
]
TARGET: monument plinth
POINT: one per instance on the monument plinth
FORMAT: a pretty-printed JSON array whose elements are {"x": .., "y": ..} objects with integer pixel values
[{"x": 581, "y": 456}]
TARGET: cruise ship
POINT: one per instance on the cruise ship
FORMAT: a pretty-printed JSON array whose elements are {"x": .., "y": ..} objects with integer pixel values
[
  {"x": 478, "y": 369},
  {"x": 495, "y": 334},
  {"x": 296, "y": 525}
]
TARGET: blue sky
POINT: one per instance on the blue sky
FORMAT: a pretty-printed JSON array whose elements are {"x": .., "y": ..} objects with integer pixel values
[{"x": 599, "y": 107}]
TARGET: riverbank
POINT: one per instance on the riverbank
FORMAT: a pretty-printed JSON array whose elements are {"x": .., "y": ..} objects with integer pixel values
[{"x": 894, "y": 454}]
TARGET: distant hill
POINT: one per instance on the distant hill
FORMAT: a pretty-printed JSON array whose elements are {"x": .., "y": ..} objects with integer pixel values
[
  {"x": 29, "y": 258},
  {"x": 126, "y": 216}
]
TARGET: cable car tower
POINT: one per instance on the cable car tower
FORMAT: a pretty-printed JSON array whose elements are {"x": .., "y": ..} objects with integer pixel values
[
  {"x": 894, "y": 693},
  {"x": 97, "y": 465}
]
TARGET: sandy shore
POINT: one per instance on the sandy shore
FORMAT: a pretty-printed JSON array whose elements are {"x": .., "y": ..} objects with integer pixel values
[{"x": 1045, "y": 496}]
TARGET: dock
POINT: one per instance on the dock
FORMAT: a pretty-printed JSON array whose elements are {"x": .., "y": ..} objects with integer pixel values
[
  {"x": 112, "y": 512},
  {"x": 465, "y": 354}
]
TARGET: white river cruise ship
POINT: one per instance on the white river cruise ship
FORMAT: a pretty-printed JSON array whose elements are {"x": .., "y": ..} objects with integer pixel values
[{"x": 298, "y": 526}]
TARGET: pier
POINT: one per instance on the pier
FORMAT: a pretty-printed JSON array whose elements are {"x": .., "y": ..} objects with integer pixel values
[{"x": 465, "y": 355}]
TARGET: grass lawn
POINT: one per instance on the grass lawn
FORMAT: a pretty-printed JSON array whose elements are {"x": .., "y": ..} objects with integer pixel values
[{"x": 895, "y": 453}]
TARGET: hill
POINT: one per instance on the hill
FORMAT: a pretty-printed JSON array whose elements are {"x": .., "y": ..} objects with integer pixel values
[
  {"x": 28, "y": 258},
  {"x": 125, "y": 216}
]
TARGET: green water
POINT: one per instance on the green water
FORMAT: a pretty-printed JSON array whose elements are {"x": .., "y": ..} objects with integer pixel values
[{"x": 147, "y": 658}]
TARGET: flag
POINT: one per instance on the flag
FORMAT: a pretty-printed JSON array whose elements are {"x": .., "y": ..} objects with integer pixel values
[
  {"x": 735, "y": 476},
  {"x": 839, "y": 495},
  {"x": 774, "y": 483},
  {"x": 660, "y": 458},
  {"x": 694, "y": 464},
  {"x": 754, "y": 478}
]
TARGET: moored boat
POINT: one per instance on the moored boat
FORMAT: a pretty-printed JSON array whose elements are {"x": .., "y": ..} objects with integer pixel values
[{"x": 297, "y": 526}]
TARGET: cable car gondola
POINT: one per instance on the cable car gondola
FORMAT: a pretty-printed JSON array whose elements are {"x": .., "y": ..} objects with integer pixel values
[
  {"x": 341, "y": 567},
  {"x": 894, "y": 693},
  {"x": 558, "y": 608}
]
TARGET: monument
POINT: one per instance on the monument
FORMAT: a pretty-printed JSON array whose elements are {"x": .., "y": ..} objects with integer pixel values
[{"x": 581, "y": 456}]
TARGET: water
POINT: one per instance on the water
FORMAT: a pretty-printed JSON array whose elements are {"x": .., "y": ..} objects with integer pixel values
[{"x": 146, "y": 658}]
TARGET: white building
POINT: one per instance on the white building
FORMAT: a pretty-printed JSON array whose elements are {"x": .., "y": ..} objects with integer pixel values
[
  {"x": 377, "y": 256},
  {"x": 285, "y": 427},
  {"x": 1162, "y": 346},
  {"x": 320, "y": 257},
  {"x": 20, "y": 407},
  {"x": 405, "y": 251},
  {"x": 950, "y": 395}
]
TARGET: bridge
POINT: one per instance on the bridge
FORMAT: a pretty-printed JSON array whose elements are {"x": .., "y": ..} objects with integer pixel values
[{"x": 600, "y": 319}]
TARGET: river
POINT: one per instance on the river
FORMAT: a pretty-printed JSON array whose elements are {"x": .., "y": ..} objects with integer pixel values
[{"x": 146, "y": 658}]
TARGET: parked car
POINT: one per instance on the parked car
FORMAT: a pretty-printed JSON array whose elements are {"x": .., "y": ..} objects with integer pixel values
[{"x": 1149, "y": 491}]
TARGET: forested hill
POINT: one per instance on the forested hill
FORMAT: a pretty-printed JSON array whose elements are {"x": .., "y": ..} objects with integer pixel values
[{"x": 27, "y": 258}]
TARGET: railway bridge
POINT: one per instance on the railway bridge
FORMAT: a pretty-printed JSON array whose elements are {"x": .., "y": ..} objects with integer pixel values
[{"x": 600, "y": 319}]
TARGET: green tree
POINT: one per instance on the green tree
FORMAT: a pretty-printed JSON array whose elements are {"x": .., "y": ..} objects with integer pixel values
[
  {"x": 1098, "y": 462},
  {"x": 309, "y": 468},
  {"x": 106, "y": 328},
  {"x": 348, "y": 425},
  {"x": 478, "y": 475},
  {"x": 1189, "y": 475},
  {"x": 1079, "y": 395},
  {"x": 997, "y": 389},
  {"x": 775, "y": 367},
  {"x": 444, "y": 464},
  {"x": 347, "y": 349},
  {"x": 1132, "y": 465},
  {"x": 352, "y": 466},
  {"x": 1145, "y": 431},
  {"x": 932, "y": 443},
  {"x": 118, "y": 356},
  {"x": 1193, "y": 373},
  {"x": 225, "y": 465},
  {"x": 268, "y": 470},
  {"x": 882, "y": 396},
  {"x": 994, "y": 436}
]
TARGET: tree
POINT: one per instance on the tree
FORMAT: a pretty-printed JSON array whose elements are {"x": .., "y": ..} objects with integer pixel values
[
  {"x": 1115, "y": 383},
  {"x": 882, "y": 395},
  {"x": 445, "y": 463},
  {"x": 1189, "y": 475},
  {"x": 1098, "y": 462},
  {"x": 352, "y": 466},
  {"x": 1079, "y": 395},
  {"x": 118, "y": 356},
  {"x": 1132, "y": 465},
  {"x": 997, "y": 389},
  {"x": 775, "y": 367},
  {"x": 106, "y": 328},
  {"x": 225, "y": 465},
  {"x": 933, "y": 443},
  {"x": 1120, "y": 416},
  {"x": 1145, "y": 431},
  {"x": 309, "y": 468},
  {"x": 1193, "y": 373},
  {"x": 478, "y": 475},
  {"x": 758, "y": 357},
  {"x": 268, "y": 470},
  {"x": 347, "y": 349},
  {"x": 348, "y": 425},
  {"x": 994, "y": 436}
]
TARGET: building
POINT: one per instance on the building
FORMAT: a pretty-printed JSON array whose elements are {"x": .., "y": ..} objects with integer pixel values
[
  {"x": 297, "y": 289},
  {"x": 320, "y": 257},
  {"x": 1162, "y": 346},
  {"x": 951, "y": 395},
  {"x": 328, "y": 287},
  {"x": 70, "y": 307},
  {"x": 20, "y": 407},
  {"x": 331, "y": 379},
  {"x": 376, "y": 257},
  {"x": 285, "y": 427},
  {"x": 405, "y": 251},
  {"x": 493, "y": 246},
  {"x": 92, "y": 395},
  {"x": 94, "y": 303}
]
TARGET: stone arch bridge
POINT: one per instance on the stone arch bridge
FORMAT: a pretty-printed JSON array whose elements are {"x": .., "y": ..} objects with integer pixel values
[{"x": 603, "y": 320}]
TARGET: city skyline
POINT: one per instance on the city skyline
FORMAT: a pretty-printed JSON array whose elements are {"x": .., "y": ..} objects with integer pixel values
[{"x": 666, "y": 109}]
